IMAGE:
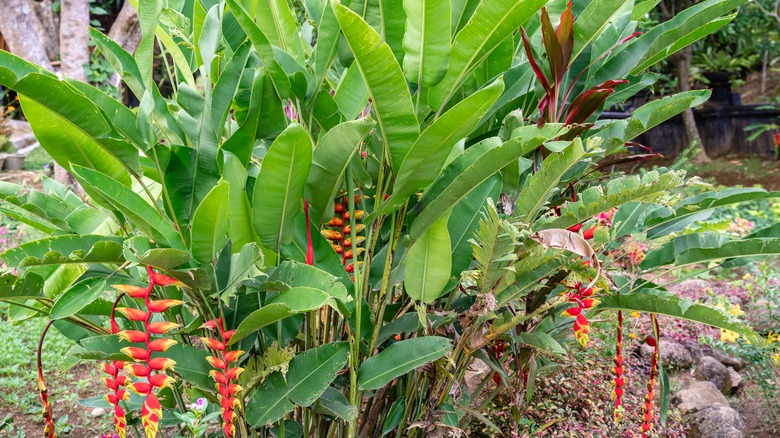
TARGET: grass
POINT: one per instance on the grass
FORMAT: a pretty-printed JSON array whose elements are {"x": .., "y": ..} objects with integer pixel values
[
  {"x": 20, "y": 406},
  {"x": 36, "y": 159}
]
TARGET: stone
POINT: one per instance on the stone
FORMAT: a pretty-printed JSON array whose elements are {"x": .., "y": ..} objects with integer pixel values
[
  {"x": 711, "y": 370},
  {"x": 673, "y": 355},
  {"x": 736, "y": 379},
  {"x": 728, "y": 359},
  {"x": 714, "y": 421},
  {"x": 98, "y": 412},
  {"x": 698, "y": 395},
  {"x": 475, "y": 373}
]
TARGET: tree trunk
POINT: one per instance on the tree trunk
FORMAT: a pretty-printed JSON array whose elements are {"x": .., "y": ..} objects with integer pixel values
[
  {"x": 74, "y": 54},
  {"x": 23, "y": 32},
  {"x": 74, "y": 38},
  {"x": 126, "y": 32},
  {"x": 683, "y": 67},
  {"x": 50, "y": 23}
]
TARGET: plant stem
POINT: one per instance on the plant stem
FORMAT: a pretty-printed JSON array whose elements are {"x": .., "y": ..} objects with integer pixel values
[{"x": 355, "y": 341}]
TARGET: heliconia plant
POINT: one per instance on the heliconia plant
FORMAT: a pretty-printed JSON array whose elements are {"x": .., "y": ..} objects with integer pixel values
[{"x": 351, "y": 202}]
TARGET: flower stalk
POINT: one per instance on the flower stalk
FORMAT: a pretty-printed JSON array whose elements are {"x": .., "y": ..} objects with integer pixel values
[
  {"x": 647, "y": 412},
  {"x": 225, "y": 373},
  {"x": 152, "y": 369},
  {"x": 618, "y": 369},
  {"x": 48, "y": 416}
]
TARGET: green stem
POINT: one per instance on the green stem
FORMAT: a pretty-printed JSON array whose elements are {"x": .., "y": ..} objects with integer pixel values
[{"x": 355, "y": 356}]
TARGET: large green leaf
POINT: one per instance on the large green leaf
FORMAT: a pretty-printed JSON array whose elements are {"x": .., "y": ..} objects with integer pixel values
[
  {"x": 668, "y": 252},
  {"x": 426, "y": 41},
  {"x": 310, "y": 373},
  {"x": 279, "y": 187},
  {"x": 77, "y": 297},
  {"x": 241, "y": 230},
  {"x": 210, "y": 224},
  {"x": 278, "y": 23},
  {"x": 290, "y": 302},
  {"x": 400, "y": 358},
  {"x": 492, "y": 22},
  {"x": 263, "y": 47},
  {"x": 429, "y": 153},
  {"x": 139, "y": 212},
  {"x": 386, "y": 84},
  {"x": 731, "y": 249},
  {"x": 541, "y": 185},
  {"x": 464, "y": 174},
  {"x": 464, "y": 221},
  {"x": 333, "y": 154},
  {"x": 653, "y": 301},
  {"x": 59, "y": 250},
  {"x": 428, "y": 263}
]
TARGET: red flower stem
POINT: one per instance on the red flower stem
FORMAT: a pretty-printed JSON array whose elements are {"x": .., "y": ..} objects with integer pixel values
[
  {"x": 309, "y": 247},
  {"x": 48, "y": 431}
]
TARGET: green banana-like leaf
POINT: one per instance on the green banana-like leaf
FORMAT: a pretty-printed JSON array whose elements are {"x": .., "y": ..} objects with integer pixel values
[
  {"x": 426, "y": 41},
  {"x": 428, "y": 263},
  {"x": 463, "y": 175},
  {"x": 77, "y": 297},
  {"x": 333, "y": 154},
  {"x": 352, "y": 93},
  {"x": 263, "y": 47},
  {"x": 652, "y": 301},
  {"x": 492, "y": 22},
  {"x": 399, "y": 359},
  {"x": 210, "y": 224},
  {"x": 700, "y": 207},
  {"x": 140, "y": 213},
  {"x": 616, "y": 192},
  {"x": 310, "y": 373},
  {"x": 386, "y": 84},
  {"x": 464, "y": 222},
  {"x": 541, "y": 185},
  {"x": 243, "y": 140},
  {"x": 279, "y": 187},
  {"x": 241, "y": 230},
  {"x": 429, "y": 153},
  {"x": 65, "y": 249},
  {"x": 668, "y": 252},
  {"x": 730, "y": 250},
  {"x": 290, "y": 302},
  {"x": 279, "y": 24},
  {"x": 592, "y": 21},
  {"x": 327, "y": 42}
]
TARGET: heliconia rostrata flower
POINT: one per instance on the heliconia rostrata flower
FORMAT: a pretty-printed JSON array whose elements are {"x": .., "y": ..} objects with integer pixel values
[
  {"x": 224, "y": 373},
  {"x": 48, "y": 416},
  {"x": 145, "y": 366},
  {"x": 115, "y": 382},
  {"x": 338, "y": 233},
  {"x": 647, "y": 411},
  {"x": 618, "y": 369},
  {"x": 580, "y": 296}
]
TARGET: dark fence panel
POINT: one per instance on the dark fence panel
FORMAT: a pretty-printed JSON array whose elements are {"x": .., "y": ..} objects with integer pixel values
[{"x": 722, "y": 130}]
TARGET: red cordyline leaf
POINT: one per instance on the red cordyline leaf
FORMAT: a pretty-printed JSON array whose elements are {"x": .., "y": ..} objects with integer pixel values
[
  {"x": 553, "y": 49},
  {"x": 565, "y": 34},
  {"x": 532, "y": 61}
]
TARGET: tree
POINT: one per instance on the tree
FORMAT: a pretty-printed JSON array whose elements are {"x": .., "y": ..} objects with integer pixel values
[{"x": 682, "y": 63}]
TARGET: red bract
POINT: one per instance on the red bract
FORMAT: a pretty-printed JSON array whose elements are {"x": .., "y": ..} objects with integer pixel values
[
  {"x": 619, "y": 381},
  {"x": 224, "y": 374},
  {"x": 150, "y": 369},
  {"x": 309, "y": 246},
  {"x": 647, "y": 411}
]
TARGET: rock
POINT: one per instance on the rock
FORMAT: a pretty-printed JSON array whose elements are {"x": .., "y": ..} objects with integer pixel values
[
  {"x": 711, "y": 370},
  {"x": 698, "y": 395},
  {"x": 475, "y": 373},
  {"x": 715, "y": 421},
  {"x": 98, "y": 412},
  {"x": 736, "y": 379},
  {"x": 673, "y": 355},
  {"x": 728, "y": 360}
]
